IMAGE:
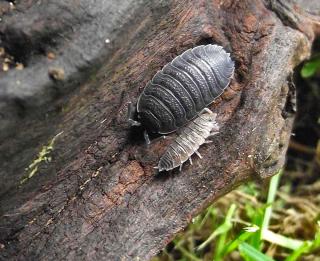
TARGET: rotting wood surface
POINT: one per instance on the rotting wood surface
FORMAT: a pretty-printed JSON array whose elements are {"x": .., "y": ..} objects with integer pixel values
[{"x": 99, "y": 198}]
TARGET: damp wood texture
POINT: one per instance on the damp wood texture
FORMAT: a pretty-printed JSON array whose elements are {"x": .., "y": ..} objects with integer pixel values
[{"x": 76, "y": 181}]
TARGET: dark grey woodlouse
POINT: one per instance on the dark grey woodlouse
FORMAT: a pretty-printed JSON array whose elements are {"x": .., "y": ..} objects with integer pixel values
[
  {"x": 183, "y": 88},
  {"x": 191, "y": 137}
]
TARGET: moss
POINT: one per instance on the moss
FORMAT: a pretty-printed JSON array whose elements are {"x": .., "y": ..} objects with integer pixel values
[{"x": 43, "y": 156}]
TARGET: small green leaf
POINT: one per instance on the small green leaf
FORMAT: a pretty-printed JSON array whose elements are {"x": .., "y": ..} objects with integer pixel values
[{"x": 310, "y": 68}]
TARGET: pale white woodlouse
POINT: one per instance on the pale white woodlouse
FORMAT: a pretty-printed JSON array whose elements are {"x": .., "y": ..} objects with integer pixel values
[{"x": 191, "y": 137}]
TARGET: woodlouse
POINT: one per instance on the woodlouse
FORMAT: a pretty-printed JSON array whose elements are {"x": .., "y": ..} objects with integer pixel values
[
  {"x": 191, "y": 137},
  {"x": 183, "y": 88}
]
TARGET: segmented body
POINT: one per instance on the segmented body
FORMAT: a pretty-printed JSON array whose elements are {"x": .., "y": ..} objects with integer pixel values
[
  {"x": 184, "y": 87},
  {"x": 191, "y": 137}
]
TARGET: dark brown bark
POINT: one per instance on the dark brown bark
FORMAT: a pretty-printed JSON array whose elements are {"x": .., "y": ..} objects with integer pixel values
[{"x": 99, "y": 196}]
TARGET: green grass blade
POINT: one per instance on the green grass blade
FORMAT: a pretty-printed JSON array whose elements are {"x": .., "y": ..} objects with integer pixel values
[
  {"x": 298, "y": 253},
  {"x": 209, "y": 211},
  {"x": 283, "y": 241},
  {"x": 221, "y": 242},
  {"x": 223, "y": 228},
  {"x": 316, "y": 242},
  {"x": 257, "y": 220},
  {"x": 234, "y": 244},
  {"x": 248, "y": 251},
  {"x": 187, "y": 254},
  {"x": 305, "y": 248},
  {"x": 273, "y": 187}
]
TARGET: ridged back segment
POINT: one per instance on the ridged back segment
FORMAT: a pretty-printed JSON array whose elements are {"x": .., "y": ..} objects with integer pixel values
[
  {"x": 169, "y": 100},
  {"x": 183, "y": 72},
  {"x": 184, "y": 87},
  {"x": 155, "y": 114},
  {"x": 201, "y": 74},
  {"x": 177, "y": 89},
  {"x": 221, "y": 65},
  {"x": 188, "y": 142}
]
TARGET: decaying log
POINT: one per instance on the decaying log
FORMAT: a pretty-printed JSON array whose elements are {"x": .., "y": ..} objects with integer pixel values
[{"x": 76, "y": 181}]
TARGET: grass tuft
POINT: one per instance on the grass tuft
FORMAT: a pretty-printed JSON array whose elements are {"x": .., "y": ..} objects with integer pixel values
[{"x": 246, "y": 225}]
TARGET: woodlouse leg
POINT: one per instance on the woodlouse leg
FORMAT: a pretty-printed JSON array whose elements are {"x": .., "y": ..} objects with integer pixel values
[
  {"x": 207, "y": 110},
  {"x": 134, "y": 123},
  {"x": 198, "y": 154},
  {"x": 159, "y": 138},
  {"x": 215, "y": 129},
  {"x": 212, "y": 133},
  {"x": 190, "y": 161},
  {"x": 131, "y": 110},
  {"x": 180, "y": 168},
  {"x": 208, "y": 141},
  {"x": 146, "y": 137},
  {"x": 148, "y": 141}
]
